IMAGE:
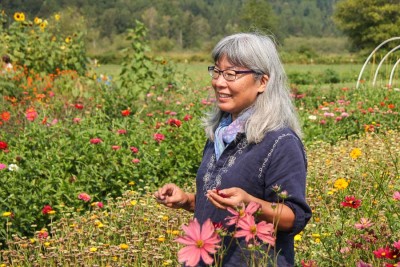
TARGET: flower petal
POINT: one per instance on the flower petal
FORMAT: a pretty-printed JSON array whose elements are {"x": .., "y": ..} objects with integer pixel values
[{"x": 190, "y": 255}]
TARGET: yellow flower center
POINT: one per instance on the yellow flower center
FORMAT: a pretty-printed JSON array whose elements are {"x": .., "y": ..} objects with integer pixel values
[
  {"x": 199, "y": 243},
  {"x": 253, "y": 229}
]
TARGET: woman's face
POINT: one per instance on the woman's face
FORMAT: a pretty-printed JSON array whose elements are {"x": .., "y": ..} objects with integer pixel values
[{"x": 235, "y": 96}]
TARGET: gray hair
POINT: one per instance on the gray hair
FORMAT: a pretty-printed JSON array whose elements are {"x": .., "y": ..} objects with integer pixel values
[{"x": 273, "y": 109}]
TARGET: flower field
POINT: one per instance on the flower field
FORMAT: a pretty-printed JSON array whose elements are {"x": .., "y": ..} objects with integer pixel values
[{"x": 81, "y": 154}]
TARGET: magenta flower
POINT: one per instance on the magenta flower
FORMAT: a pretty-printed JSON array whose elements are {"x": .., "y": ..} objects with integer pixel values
[
  {"x": 95, "y": 140},
  {"x": 242, "y": 212},
  {"x": 364, "y": 224},
  {"x": 158, "y": 137},
  {"x": 134, "y": 150},
  {"x": 84, "y": 196},
  {"x": 396, "y": 195},
  {"x": 2, "y": 166},
  {"x": 363, "y": 264},
  {"x": 250, "y": 230},
  {"x": 136, "y": 161},
  {"x": 199, "y": 241},
  {"x": 397, "y": 245}
]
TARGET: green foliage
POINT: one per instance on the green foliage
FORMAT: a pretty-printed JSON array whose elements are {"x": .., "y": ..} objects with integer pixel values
[
  {"x": 139, "y": 72},
  {"x": 367, "y": 23},
  {"x": 39, "y": 45}
]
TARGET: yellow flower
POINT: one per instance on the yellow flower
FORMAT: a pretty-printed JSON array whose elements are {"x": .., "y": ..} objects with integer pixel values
[
  {"x": 167, "y": 263},
  {"x": 37, "y": 20},
  {"x": 131, "y": 183},
  {"x": 114, "y": 258},
  {"x": 93, "y": 249},
  {"x": 46, "y": 244},
  {"x": 19, "y": 16},
  {"x": 133, "y": 202},
  {"x": 7, "y": 214},
  {"x": 52, "y": 212},
  {"x": 341, "y": 183},
  {"x": 316, "y": 235},
  {"x": 317, "y": 240},
  {"x": 57, "y": 16},
  {"x": 176, "y": 232},
  {"x": 297, "y": 237},
  {"x": 165, "y": 218},
  {"x": 355, "y": 153},
  {"x": 161, "y": 238},
  {"x": 123, "y": 246},
  {"x": 32, "y": 240},
  {"x": 42, "y": 26},
  {"x": 68, "y": 39}
]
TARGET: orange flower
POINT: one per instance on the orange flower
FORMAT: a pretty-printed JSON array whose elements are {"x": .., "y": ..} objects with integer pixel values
[{"x": 5, "y": 116}]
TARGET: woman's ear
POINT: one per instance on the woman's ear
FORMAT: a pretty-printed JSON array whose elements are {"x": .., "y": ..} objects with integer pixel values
[{"x": 263, "y": 83}]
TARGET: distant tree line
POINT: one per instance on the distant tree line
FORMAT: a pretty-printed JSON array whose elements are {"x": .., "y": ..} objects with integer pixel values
[
  {"x": 198, "y": 24},
  {"x": 188, "y": 24}
]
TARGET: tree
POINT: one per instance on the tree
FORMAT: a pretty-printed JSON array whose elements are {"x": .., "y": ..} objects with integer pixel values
[
  {"x": 367, "y": 23},
  {"x": 258, "y": 14}
]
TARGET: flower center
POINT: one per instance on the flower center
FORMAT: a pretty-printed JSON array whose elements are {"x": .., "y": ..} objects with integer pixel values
[
  {"x": 199, "y": 243},
  {"x": 253, "y": 229}
]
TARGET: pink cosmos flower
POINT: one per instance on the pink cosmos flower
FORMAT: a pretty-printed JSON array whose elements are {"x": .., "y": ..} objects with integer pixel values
[
  {"x": 158, "y": 137},
  {"x": 199, "y": 241},
  {"x": 84, "y": 196},
  {"x": 396, "y": 195},
  {"x": 242, "y": 212},
  {"x": 95, "y": 140},
  {"x": 250, "y": 230},
  {"x": 364, "y": 224}
]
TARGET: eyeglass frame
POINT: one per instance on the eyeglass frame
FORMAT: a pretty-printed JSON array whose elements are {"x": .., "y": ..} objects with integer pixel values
[{"x": 212, "y": 70}]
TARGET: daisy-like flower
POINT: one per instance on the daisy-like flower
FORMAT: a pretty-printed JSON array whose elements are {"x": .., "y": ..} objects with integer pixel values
[
  {"x": 341, "y": 183},
  {"x": 158, "y": 137},
  {"x": 352, "y": 202},
  {"x": 250, "y": 230},
  {"x": 396, "y": 195},
  {"x": 95, "y": 140},
  {"x": 13, "y": 167},
  {"x": 19, "y": 16},
  {"x": 355, "y": 153},
  {"x": 241, "y": 212},
  {"x": 84, "y": 196},
  {"x": 364, "y": 224},
  {"x": 200, "y": 241}
]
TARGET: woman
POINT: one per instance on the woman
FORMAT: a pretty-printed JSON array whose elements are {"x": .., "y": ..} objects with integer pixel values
[{"x": 253, "y": 146}]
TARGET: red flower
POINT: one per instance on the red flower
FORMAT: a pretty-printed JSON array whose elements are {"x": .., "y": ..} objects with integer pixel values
[
  {"x": 46, "y": 209},
  {"x": 115, "y": 147},
  {"x": 78, "y": 106},
  {"x": 3, "y": 145},
  {"x": 122, "y": 131},
  {"x": 31, "y": 114},
  {"x": 309, "y": 263},
  {"x": 174, "y": 122},
  {"x": 5, "y": 116},
  {"x": 391, "y": 106},
  {"x": 136, "y": 161},
  {"x": 95, "y": 140},
  {"x": 158, "y": 137},
  {"x": 384, "y": 253},
  {"x": 43, "y": 234},
  {"x": 84, "y": 196},
  {"x": 125, "y": 112},
  {"x": 134, "y": 150},
  {"x": 187, "y": 117},
  {"x": 352, "y": 202}
]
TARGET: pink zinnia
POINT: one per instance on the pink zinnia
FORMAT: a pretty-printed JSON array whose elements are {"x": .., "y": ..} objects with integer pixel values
[
  {"x": 31, "y": 114},
  {"x": 136, "y": 161},
  {"x": 134, "y": 150},
  {"x": 122, "y": 131},
  {"x": 95, "y": 140},
  {"x": 250, "y": 230},
  {"x": 364, "y": 224},
  {"x": 199, "y": 241},
  {"x": 242, "y": 212},
  {"x": 159, "y": 137},
  {"x": 84, "y": 196},
  {"x": 115, "y": 147},
  {"x": 396, "y": 195}
]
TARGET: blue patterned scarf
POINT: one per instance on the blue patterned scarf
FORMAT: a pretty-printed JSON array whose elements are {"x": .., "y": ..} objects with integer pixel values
[{"x": 227, "y": 130}]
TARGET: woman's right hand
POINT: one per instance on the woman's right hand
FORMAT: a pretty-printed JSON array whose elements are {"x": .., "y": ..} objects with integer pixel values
[{"x": 171, "y": 196}]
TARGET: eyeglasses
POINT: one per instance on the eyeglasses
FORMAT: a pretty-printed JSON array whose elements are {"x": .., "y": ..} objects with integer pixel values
[{"x": 229, "y": 75}]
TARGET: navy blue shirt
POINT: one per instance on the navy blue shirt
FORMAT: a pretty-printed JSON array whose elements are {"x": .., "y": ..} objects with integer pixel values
[{"x": 279, "y": 159}]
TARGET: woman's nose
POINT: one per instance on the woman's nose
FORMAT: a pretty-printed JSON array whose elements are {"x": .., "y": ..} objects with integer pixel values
[{"x": 219, "y": 82}]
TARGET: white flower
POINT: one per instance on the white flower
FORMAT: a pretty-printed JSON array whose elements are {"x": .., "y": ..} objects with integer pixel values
[
  {"x": 13, "y": 167},
  {"x": 312, "y": 117}
]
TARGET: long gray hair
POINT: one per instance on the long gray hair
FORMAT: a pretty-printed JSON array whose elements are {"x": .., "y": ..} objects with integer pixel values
[{"x": 273, "y": 109}]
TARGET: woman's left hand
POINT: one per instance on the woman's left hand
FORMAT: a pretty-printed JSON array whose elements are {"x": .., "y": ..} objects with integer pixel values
[{"x": 229, "y": 197}]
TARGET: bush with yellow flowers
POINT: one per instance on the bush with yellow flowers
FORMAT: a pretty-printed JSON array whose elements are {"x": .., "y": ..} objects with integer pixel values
[{"x": 40, "y": 45}]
